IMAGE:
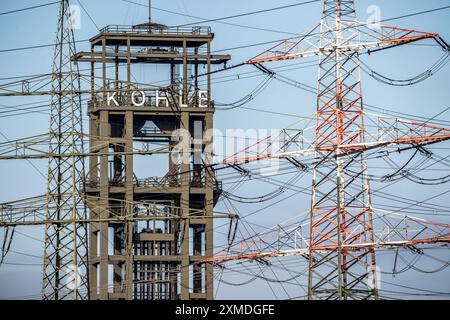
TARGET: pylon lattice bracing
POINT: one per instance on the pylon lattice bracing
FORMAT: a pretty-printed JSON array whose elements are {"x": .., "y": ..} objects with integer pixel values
[
  {"x": 65, "y": 259},
  {"x": 340, "y": 193}
]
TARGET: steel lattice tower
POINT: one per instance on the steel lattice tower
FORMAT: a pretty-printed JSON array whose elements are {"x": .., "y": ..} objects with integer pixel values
[
  {"x": 65, "y": 258},
  {"x": 340, "y": 193},
  {"x": 342, "y": 241}
]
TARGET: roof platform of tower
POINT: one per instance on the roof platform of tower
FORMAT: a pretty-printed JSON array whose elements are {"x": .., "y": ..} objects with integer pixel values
[
  {"x": 153, "y": 35},
  {"x": 152, "y": 43}
]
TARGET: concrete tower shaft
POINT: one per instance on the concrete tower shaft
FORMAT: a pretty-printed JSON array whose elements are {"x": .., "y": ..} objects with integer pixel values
[{"x": 159, "y": 258}]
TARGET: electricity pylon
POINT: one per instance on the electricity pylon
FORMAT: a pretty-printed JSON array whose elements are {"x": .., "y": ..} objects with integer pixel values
[
  {"x": 342, "y": 244},
  {"x": 337, "y": 207},
  {"x": 65, "y": 259}
]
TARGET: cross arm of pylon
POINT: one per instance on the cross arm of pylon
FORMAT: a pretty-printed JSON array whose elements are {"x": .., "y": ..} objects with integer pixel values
[
  {"x": 36, "y": 147},
  {"x": 372, "y": 38},
  {"x": 390, "y": 132},
  {"x": 393, "y": 231},
  {"x": 396, "y": 229},
  {"x": 32, "y": 211},
  {"x": 280, "y": 240},
  {"x": 40, "y": 86}
]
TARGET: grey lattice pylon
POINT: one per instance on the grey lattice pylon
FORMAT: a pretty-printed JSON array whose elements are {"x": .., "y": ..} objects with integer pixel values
[{"x": 65, "y": 259}]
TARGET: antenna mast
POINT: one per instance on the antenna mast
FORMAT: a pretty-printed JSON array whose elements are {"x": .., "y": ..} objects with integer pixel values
[{"x": 149, "y": 13}]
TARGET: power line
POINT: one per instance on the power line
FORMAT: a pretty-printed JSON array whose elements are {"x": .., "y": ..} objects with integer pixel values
[
  {"x": 416, "y": 14},
  {"x": 232, "y": 48},
  {"x": 204, "y": 19},
  {"x": 254, "y": 12},
  {"x": 29, "y": 8},
  {"x": 299, "y": 36},
  {"x": 297, "y": 190},
  {"x": 87, "y": 13},
  {"x": 38, "y": 46}
]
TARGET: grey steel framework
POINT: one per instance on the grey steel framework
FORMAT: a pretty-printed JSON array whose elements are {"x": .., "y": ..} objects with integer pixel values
[
  {"x": 65, "y": 257},
  {"x": 159, "y": 258}
]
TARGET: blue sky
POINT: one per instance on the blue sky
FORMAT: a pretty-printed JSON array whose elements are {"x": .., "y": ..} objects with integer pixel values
[{"x": 36, "y": 27}]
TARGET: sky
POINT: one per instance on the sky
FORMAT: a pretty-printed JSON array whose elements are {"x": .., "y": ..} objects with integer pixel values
[{"x": 21, "y": 179}]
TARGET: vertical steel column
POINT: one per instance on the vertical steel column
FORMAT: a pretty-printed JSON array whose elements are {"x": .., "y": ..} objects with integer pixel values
[
  {"x": 197, "y": 231},
  {"x": 210, "y": 181},
  {"x": 93, "y": 227},
  {"x": 184, "y": 205},
  {"x": 103, "y": 233},
  {"x": 129, "y": 198},
  {"x": 185, "y": 186}
]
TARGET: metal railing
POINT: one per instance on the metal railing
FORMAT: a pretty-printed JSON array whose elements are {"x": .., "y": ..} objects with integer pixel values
[
  {"x": 156, "y": 30},
  {"x": 152, "y": 182}
]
